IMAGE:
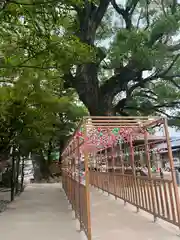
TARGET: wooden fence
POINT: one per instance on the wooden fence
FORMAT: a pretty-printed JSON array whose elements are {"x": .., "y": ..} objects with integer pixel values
[
  {"x": 76, "y": 193},
  {"x": 155, "y": 196},
  {"x": 123, "y": 143}
]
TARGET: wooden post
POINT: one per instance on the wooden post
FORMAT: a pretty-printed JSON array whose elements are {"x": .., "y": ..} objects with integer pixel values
[
  {"x": 87, "y": 188},
  {"x": 114, "y": 172},
  {"x": 122, "y": 170},
  {"x": 97, "y": 175},
  {"x": 121, "y": 157},
  {"x": 150, "y": 173},
  {"x": 70, "y": 178},
  {"x": 79, "y": 182},
  {"x": 74, "y": 180},
  {"x": 107, "y": 168},
  {"x": 141, "y": 157},
  {"x": 134, "y": 171},
  {"x": 171, "y": 162}
]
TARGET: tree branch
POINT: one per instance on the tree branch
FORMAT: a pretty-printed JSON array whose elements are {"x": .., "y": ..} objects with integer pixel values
[
  {"x": 147, "y": 15},
  {"x": 119, "y": 81},
  {"x": 148, "y": 96},
  {"x": 151, "y": 92},
  {"x": 132, "y": 6},
  {"x": 139, "y": 18},
  {"x": 28, "y": 66},
  {"x": 173, "y": 48},
  {"x": 34, "y": 3},
  {"x": 162, "y": 74},
  {"x": 167, "y": 115},
  {"x": 156, "y": 108},
  {"x": 90, "y": 17},
  {"x": 118, "y": 9},
  {"x": 173, "y": 6},
  {"x": 167, "y": 105},
  {"x": 69, "y": 79},
  {"x": 170, "y": 78},
  {"x": 124, "y": 13},
  {"x": 122, "y": 103},
  {"x": 100, "y": 11}
]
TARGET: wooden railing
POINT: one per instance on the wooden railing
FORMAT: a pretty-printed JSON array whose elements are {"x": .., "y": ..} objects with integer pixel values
[
  {"x": 155, "y": 196},
  {"x": 76, "y": 194}
]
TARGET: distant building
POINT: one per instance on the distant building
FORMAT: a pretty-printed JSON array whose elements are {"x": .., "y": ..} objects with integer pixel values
[{"x": 175, "y": 145}]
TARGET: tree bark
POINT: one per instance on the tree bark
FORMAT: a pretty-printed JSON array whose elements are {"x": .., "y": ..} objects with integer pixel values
[
  {"x": 41, "y": 169},
  {"x": 44, "y": 167}
]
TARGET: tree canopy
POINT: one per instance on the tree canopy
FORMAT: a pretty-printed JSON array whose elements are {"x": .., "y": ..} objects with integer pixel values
[
  {"x": 36, "y": 111},
  {"x": 124, "y": 53}
]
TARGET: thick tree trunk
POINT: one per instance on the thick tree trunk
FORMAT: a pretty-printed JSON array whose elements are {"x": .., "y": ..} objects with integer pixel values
[
  {"x": 44, "y": 167},
  {"x": 86, "y": 81},
  {"x": 41, "y": 168},
  {"x": 101, "y": 109},
  {"x": 87, "y": 86}
]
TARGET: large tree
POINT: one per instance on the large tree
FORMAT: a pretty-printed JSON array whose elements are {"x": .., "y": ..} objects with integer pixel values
[
  {"x": 132, "y": 47},
  {"x": 141, "y": 61}
]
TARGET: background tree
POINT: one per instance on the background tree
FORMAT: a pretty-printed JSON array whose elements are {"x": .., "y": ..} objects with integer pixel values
[{"x": 37, "y": 115}]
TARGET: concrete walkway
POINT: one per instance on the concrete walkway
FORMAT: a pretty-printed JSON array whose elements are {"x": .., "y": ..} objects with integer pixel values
[
  {"x": 112, "y": 220},
  {"x": 41, "y": 212}
]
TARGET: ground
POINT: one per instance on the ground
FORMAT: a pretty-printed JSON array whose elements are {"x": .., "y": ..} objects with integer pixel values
[
  {"x": 5, "y": 197},
  {"x": 42, "y": 213},
  {"x": 112, "y": 220}
]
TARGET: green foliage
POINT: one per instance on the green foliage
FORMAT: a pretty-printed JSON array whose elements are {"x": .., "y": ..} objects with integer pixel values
[
  {"x": 40, "y": 35},
  {"x": 37, "y": 47},
  {"x": 132, "y": 44},
  {"x": 43, "y": 42},
  {"x": 34, "y": 110}
]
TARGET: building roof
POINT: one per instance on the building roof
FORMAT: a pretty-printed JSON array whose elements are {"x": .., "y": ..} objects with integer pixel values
[
  {"x": 175, "y": 144},
  {"x": 152, "y": 138}
]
